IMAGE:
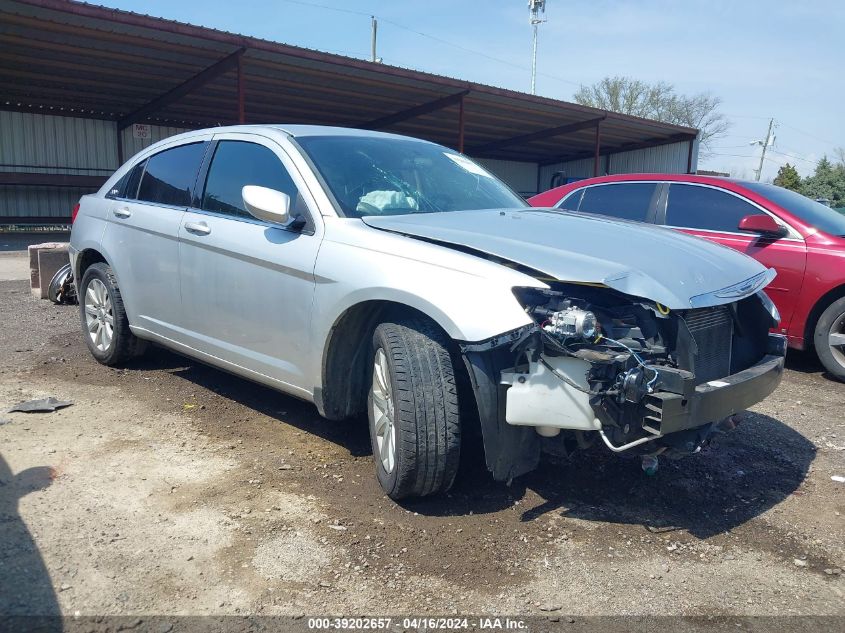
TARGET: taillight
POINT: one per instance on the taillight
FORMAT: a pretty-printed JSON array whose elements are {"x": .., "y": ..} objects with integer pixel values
[{"x": 74, "y": 212}]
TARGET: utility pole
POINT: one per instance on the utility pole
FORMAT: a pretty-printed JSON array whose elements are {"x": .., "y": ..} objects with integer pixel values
[
  {"x": 770, "y": 139},
  {"x": 373, "y": 57},
  {"x": 536, "y": 7}
]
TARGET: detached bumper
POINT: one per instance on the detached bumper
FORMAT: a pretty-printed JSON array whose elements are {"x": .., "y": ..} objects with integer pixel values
[{"x": 717, "y": 399}]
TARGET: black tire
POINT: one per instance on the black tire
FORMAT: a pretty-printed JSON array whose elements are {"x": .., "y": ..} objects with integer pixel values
[
  {"x": 124, "y": 345},
  {"x": 426, "y": 413},
  {"x": 831, "y": 321}
]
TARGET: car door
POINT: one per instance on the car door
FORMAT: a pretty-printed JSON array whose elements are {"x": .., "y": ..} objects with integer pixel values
[
  {"x": 247, "y": 284},
  {"x": 624, "y": 201},
  {"x": 141, "y": 233},
  {"x": 714, "y": 214}
]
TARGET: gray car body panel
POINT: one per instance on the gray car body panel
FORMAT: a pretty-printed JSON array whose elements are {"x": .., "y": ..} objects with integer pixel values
[{"x": 678, "y": 271}]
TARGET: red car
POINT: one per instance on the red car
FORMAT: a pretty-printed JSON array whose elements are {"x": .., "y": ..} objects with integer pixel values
[{"x": 801, "y": 239}]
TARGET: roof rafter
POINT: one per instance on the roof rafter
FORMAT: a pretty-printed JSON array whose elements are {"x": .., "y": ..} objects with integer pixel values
[
  {"x": 410, "y": 113},
  {"x": 559, "y": 130},
  {"x": 226, "y": 64}
]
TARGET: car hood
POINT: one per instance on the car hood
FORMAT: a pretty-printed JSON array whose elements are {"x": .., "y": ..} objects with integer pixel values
[{"x": 676, "y": 270}]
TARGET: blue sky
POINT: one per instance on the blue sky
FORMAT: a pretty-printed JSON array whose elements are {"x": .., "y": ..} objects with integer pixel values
[{"x": 777, "y": 59}]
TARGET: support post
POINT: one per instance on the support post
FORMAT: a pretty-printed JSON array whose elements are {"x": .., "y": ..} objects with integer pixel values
[
  {"x": 241, "y": 100},
  {"x": 597, "y": 156},
  {"x": 461, "y": 125}
]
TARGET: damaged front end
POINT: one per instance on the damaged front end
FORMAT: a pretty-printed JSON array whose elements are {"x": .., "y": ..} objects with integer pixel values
[{"x": 600, "y": 365}]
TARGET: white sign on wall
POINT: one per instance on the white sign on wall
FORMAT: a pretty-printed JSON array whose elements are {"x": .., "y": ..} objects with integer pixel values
[{"x": 140, "y": 130}]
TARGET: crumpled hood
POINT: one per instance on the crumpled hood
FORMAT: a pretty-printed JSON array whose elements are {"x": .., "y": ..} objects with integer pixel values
[{"x": 637, "y": 259}]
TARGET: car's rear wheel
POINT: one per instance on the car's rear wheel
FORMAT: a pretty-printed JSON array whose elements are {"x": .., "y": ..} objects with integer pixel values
[
  {"x": 413, "y": 409},
  {"x": 104, "y": 323},
  {"x": 829, "y": 338}
]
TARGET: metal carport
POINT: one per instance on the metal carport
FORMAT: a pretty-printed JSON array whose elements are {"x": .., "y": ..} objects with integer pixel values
[{"x": 79, "y": 60}]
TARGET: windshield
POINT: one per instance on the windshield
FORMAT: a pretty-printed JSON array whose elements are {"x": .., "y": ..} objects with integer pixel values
[
  {"x": 813, "y": 213},
  {"x": 371, "y": 175}
]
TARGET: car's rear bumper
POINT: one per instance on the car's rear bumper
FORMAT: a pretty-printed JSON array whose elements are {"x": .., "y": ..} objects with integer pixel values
[{"x": 697, "y": 405}]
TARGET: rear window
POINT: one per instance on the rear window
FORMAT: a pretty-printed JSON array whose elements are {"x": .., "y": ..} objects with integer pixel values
[
  {"x": 133, "y": 179},
  {"x": 572, "y": 201},
  {"x": 628, "y": 201},
  {"x": 170, "y": 175},
  {"x": 697, "y": 207}
]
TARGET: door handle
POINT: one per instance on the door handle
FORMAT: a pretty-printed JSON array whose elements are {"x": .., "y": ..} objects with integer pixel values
[
  {"x": 197, "y": 228},
  {"x": 123, "y": 212}
]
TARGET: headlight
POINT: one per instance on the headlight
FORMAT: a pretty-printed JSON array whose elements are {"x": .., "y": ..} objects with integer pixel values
[
  {"x": 770, "y": 307},
  {"x": 573, "y": 322}
]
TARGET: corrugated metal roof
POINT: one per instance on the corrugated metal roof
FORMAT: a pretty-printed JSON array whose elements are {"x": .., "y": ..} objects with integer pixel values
[{"x": 73, "y": 58}]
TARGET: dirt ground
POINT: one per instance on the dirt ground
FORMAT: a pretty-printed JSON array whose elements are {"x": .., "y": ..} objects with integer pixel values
[{"x": 173, "y": 488}]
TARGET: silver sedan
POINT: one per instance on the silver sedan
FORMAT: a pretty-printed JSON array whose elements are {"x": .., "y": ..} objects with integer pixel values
[{"x": 382, "y": 276}]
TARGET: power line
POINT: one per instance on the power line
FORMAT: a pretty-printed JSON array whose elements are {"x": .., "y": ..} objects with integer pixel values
[
  {"x": 434, "y": 38},
  {"x": 327, "y": 7},
  {"x": 732, "y": 155},
  {"x": 806, "y": 160},
  {"x": 792, "y": 127}
]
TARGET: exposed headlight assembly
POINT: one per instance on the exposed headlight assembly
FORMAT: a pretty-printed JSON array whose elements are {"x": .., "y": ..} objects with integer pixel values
[{"x": 572, "y": 323}]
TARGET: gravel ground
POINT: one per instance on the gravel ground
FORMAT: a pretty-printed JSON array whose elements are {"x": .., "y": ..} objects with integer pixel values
[{"x": 174, "y": 488}]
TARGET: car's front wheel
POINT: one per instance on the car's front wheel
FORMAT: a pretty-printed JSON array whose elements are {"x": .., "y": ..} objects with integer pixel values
[
  {"x": 829, "y": 338},
  {"x": 104, "y": 322},
  {"x": 413, "y": 409}
]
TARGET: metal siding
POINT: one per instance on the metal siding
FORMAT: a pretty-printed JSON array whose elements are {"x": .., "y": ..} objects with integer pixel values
[
  {"x": 132, "y": 145},
  {"x": 581, "y": 168},
  {"x": 39, "y": 202},
  {"x": 671, "y": 159},
  {"x": 520, "y": 176},
  {"x": 57, "y": 144},
  {"x": 42, "y": 143}
]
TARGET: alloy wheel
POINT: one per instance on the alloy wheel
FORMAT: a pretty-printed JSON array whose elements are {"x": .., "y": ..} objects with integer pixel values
[
  {"x": 383, "y": 412},
  {"x": 98, "y": 315},
  {"x": 836, "y": 339}
]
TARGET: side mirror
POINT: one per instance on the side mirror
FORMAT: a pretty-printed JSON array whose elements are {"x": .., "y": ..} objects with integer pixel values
[
  {"x": 267, "y": 204},
  {"x": 763, "y": 224}
]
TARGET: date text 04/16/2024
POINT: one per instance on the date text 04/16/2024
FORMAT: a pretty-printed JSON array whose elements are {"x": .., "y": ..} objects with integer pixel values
[{"x": 427, "y": 623}]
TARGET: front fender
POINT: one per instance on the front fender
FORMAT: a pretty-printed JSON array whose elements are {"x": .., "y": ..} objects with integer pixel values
[{"x": 469, "y": 297}]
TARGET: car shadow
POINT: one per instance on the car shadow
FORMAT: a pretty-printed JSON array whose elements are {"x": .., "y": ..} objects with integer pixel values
[
  {"x": 26, "y": 590},
  {"x": 807, "y": 362},
  {"x": 353, "y": 435},
  {"x": 739, "y": 476}
]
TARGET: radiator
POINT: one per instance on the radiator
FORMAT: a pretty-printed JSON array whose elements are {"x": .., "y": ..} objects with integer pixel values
[{"x": 712, "y": 330}]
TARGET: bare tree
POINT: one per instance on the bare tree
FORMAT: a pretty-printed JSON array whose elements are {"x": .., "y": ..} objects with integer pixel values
[{"x": 658, "y": 101}]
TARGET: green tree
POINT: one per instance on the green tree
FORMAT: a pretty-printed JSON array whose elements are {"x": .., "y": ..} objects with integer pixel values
[
  {"x": 657, "y": 101},
  {"x": 828, "y": 182},
  {"x": 788, "y": 178}
]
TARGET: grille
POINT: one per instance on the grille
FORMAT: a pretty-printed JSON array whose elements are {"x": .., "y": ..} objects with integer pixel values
[{"x": 712, "y": 330}]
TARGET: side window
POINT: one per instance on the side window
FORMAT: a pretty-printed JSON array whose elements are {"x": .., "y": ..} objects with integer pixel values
[
  {"x": 240, "y": 163},
  {"x": 133, "y": 179},
  {"x": 572, "y": 200},
  {"x": 170, "y": 175},
  {"x": 628, "y": 201},
  {"x": 127, "y": 186},
  {"x": 694, "y": 207}
]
